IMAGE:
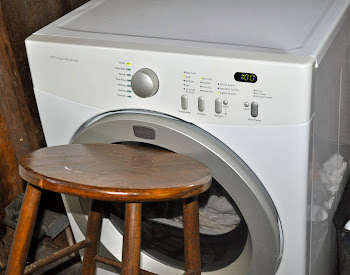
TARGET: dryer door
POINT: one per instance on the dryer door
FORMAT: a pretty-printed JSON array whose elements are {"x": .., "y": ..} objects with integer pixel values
[{"x": 240, "y": 229}]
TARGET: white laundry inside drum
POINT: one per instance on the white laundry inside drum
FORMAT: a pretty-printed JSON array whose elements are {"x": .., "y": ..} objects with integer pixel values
[{"x": 217, "y": 216}]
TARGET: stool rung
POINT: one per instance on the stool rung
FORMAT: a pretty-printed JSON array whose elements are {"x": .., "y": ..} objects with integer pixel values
[
  {"x": 56, "y": 256},
  {"x": 118, "y": 264}
]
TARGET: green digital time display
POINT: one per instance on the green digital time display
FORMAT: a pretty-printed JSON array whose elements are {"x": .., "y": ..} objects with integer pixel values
[{"x": 246, "y": 77}]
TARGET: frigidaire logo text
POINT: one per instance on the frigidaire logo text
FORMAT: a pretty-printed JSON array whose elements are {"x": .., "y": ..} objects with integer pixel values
[{"x": 60, "y": 58}]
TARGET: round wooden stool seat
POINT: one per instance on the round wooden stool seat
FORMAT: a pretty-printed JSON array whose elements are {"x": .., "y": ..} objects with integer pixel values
[
  {"x": 110, "y": 172},
  {"x": 115, "y": 172}
]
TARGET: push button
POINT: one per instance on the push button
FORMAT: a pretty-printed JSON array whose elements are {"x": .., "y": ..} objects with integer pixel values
[
  {"x": 201, "y": 104},
  {"x": 218, "y": 105},
  {"x": 254, "y": 109},
  {"x": 184, "y": 102}
]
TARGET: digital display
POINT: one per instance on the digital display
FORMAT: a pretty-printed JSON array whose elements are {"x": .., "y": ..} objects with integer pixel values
[{"x": 246, "y": 77}]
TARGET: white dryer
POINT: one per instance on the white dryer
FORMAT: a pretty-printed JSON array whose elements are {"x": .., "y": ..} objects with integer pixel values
[{"x": 253, "y": 89}]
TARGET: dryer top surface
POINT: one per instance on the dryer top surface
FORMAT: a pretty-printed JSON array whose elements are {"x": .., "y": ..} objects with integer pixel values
[{"x": 301, "y": 27}]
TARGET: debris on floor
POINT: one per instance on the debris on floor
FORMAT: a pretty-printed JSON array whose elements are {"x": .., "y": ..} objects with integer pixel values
[
  {"x": 38, "y": 250},
  {"x": 51, "y": 222}
]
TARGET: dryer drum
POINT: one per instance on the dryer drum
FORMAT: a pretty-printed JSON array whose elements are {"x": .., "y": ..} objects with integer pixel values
[{"x": 223, "y": 231}]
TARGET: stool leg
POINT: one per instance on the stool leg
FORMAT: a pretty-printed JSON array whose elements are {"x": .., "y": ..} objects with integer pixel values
[
  {"x": 132, "y": 239},
  {"x": 191, "y": 236},
  {"x": 93, "y": 233},
  {"x": 24, "y": 231}
]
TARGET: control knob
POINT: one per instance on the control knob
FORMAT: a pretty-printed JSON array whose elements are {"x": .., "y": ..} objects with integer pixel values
[{"x": 145, "y": 83}]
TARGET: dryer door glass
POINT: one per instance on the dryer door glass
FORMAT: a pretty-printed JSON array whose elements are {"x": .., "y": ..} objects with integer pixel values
[{"x": 240, "y": 229}]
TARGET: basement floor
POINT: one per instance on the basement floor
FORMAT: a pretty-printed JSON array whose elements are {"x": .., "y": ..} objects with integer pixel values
[
  {"x": 43, "y": 248},
  {"x": 39, "y": 249}
]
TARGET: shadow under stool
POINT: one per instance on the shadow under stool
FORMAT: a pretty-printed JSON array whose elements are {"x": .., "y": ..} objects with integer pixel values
[{"x": 115, "y": 173}]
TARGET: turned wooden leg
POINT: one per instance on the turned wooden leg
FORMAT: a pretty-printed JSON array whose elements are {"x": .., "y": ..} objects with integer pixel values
[
  {"x": 191, "y": 236},
  {"x": 132, "y": 239},
  {"x": 93, "y": 233},
  {"x": 24, "y": 231}
]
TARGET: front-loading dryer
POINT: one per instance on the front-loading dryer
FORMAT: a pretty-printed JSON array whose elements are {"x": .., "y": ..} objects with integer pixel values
[{"x": 263, "y": 110}]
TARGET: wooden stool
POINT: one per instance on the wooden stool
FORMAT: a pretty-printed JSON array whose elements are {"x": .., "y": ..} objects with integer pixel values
[{"x": 110, "y": 172}]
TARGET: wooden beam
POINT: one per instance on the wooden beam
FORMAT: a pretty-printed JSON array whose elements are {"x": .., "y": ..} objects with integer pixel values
[
  {"x": 20, "y": 128},
  {"x": 13, "y": 136}
]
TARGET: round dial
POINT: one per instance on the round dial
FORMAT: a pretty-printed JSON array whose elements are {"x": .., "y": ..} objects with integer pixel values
[{"x": 145, "y": 83}]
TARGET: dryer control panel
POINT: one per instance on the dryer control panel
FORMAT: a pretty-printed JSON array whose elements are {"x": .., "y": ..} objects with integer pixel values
[{"x": 196, "y": 85}]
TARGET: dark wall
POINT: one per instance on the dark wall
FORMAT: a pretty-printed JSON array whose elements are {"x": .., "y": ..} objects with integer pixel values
[{"x": 20, "y": 129}]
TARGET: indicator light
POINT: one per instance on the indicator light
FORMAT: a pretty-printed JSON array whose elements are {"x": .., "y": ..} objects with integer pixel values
[
  {"x": 129, "y": 85},
  {"x": 129, "y": 91},
  {"x": 128, "y": 64},
  {"x": 128, "y": 74},
  {"x": 129, "y": 96},
  {"x": 128, "y": 69}
]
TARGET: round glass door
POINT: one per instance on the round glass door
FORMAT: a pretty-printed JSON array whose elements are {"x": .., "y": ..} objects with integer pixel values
[{"x": 239, "y": 225}]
